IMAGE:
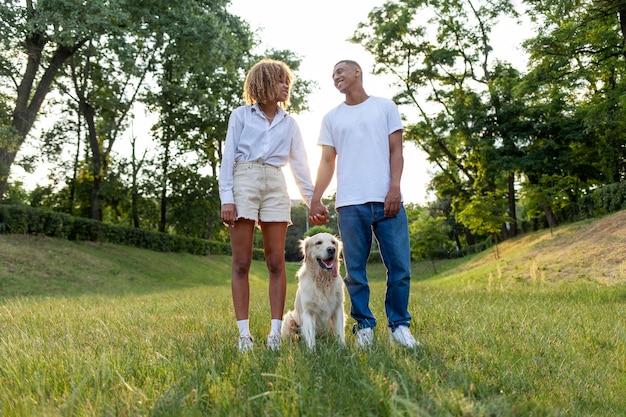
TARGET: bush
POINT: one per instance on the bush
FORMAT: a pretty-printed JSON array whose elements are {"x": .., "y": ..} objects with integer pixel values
[
  {"x": 20, "y": 219},
  {"x": 600, "y": 202}
]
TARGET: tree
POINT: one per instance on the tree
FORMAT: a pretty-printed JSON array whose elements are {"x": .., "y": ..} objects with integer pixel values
[
  {"x": 193, "y": 211},
  {"x": 575, "y": 95},
  {"x": 579, "y": 46},
  {"x": 199, "y": 77},
  {"x": 485, "y": 214},
  {"x": 45, "y": 34},
  {"x": 560, "y": 146},
  {"x": 441, "y": 50},
  {"x": 429, "y": 236},
  {"x": 107, "y": 76},
  {"x": 136, "y": 164}
]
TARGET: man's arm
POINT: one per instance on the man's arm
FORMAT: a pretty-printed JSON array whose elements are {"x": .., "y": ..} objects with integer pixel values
[
  {"x": 325, "y": 171},
  {"x": 393, "y": 200}
]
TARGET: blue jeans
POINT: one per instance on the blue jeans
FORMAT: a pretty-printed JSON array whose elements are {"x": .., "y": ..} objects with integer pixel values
[{"x": 357, "y": 224}]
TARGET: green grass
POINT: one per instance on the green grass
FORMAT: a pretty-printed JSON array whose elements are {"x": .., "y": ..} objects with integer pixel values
[{"x": 104, "y": 330}]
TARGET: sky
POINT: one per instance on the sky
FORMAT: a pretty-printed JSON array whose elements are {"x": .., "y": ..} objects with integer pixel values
[{"x": 317, "y": 31}]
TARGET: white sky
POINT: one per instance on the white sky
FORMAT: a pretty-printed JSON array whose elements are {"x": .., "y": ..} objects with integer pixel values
[{"x": 317, "y": 32}]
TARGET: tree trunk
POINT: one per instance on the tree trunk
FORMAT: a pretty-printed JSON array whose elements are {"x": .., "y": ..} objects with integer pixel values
[
  {"x": 76, "y": 164},
  {"x": 26, "y": 111},
  {"x": 469, "y": 237},
  {"x": 96, "y": 160},
  {"x": 512, "y": 231},
  {"x": 458, "y": 241},
  {"x": 434, "y": 266},
  {"x": 96, "y": 199},
  {"x": 495, "y": 246},
  {"x": 164, "y": 172},
  {"x": 550, "y": 217},
  {"x": 134, "y": 188}
]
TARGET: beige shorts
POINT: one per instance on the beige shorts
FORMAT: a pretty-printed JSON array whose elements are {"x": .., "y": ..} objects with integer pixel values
[{"x": 260, "y": 193}]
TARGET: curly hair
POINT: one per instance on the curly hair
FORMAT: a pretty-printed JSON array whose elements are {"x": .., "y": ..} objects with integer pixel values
[{"x": 262, "y": 82}]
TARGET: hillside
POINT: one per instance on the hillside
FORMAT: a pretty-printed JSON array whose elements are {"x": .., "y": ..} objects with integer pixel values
[{"x": 593, "y": 250}]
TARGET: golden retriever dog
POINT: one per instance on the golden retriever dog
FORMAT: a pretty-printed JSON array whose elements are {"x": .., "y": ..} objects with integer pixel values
[{"x": 318, "y": 307}]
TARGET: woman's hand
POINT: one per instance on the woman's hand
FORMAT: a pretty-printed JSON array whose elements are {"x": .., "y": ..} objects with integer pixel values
[{"x": 229, "y": 214}]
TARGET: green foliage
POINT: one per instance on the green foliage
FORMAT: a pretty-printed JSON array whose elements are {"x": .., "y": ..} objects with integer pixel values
[
  {"x": 577, "y": 55},
  {"x": 296, "y": 232},
  {"x": 16, "y": 194},
  {"x": 192, "y": 53},
  {"x": 485, "y": 124},
  {"x": 610, "y": 198},
  {"x": 17, "y": 219},
  {"x": 194, "y": 203},
  {"x": 546, "y": 193},
  {"x": 484, "y": 214},
  {"x": 429, "y": 237},
  {"x": 470, "y": 123},
  {"x": 318, "y": 229},
  {"x": 558, "y": 129},
  {"x": 602, "y": 201},
  {"x": 40, "y": 37}
]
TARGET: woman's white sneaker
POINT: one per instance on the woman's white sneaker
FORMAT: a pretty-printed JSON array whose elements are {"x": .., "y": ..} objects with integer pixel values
[
  {"x": 246, "y": 343},
  {"x": 273, "y": 341}
]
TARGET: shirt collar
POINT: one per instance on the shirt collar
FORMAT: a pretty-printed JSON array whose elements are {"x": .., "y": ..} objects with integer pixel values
[{"x": 280, "y": 112}]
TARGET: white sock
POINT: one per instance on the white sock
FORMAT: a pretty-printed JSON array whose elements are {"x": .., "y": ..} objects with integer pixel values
[
  {"x": 276, "y": 326},
  {"x": 244, "y": 327}
]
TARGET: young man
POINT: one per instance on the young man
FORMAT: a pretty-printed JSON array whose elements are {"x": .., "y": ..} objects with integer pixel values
[{"x": 364, "y": 136}]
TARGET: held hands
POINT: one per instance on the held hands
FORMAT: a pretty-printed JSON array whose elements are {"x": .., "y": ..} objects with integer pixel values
[{"x": 318, "y": 214}]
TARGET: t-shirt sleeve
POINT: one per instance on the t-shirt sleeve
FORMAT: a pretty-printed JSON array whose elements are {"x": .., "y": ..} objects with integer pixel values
[
  {"x": 394, "y": 121},
  {"x": 326, "y": 134}
]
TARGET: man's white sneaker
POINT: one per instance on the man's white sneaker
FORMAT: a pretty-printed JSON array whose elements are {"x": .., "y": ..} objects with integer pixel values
[
  {"x": 403, "y": 336},
  {"x": 245, "y": 343},
  {"x": 364, "y": 337},
  {"x": 273, "y": 341}
]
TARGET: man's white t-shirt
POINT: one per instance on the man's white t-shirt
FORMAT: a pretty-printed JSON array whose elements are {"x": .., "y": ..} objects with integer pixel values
[{"x": 360, "y": 136}]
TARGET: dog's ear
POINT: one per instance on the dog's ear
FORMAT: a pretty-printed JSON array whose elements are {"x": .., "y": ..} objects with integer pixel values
[
  {"x": 303, "y": 244},
  {"x": 339, "y": 244}
]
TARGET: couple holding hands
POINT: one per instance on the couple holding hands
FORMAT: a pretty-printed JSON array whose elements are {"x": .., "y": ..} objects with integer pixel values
[{"x": 362, "y": 138}]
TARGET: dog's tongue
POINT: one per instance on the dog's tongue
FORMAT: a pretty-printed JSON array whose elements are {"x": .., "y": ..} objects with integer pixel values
[{"x": 334, "y": 269}]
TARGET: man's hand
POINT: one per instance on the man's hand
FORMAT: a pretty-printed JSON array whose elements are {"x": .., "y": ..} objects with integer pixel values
[{"x": 393, "y": 200}]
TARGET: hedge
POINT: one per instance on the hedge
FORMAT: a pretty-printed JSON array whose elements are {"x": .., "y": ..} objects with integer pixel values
[
  {"x": 16, "y": 218},
  {"x": 20, "y": 219}
]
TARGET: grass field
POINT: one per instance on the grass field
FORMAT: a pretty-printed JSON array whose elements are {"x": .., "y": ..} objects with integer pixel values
[{"x": 102, "y": 330}]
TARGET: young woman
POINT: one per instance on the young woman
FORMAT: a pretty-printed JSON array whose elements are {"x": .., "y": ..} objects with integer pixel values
[{"x": 261, "y": 139}]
